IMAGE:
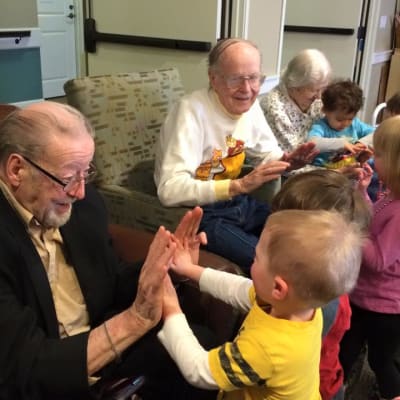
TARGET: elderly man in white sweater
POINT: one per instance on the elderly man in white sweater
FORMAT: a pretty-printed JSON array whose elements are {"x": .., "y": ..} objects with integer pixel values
[{"x": 204, "y": 143}]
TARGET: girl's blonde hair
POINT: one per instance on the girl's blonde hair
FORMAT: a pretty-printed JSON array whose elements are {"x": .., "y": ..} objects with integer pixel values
[{"x": 387, "y": 147}]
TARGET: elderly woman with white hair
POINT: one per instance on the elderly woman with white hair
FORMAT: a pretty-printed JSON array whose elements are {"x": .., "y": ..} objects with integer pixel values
[{"x": 295, "y": 103}]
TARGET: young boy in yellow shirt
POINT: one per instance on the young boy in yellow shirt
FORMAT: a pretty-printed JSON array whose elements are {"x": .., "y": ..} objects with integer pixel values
[{"x": 276, "y": 352}]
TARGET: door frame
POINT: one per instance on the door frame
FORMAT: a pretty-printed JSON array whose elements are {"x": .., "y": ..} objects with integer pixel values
[
  {"x": 81, "y": 57},
  {"x": 370, "y": 56}
]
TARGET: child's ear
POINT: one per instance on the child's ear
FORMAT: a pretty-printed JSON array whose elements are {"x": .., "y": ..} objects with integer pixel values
[{"x": 280, "y": 290}]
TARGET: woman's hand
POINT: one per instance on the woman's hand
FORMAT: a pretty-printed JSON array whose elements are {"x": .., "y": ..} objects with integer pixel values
[{"x": 301, "y": 156}]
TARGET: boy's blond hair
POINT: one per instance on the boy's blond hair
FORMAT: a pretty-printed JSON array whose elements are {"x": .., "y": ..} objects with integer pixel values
[
  {"x": 317, "y": 252},
  {"x": 323, "y": 189}
]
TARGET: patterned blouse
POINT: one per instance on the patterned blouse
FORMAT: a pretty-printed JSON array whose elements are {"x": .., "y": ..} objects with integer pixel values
[{"x": 289, "y": 124}]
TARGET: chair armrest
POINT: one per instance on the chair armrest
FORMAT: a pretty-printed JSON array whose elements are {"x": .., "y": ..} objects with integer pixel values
[{"x": 132, "y": 245}]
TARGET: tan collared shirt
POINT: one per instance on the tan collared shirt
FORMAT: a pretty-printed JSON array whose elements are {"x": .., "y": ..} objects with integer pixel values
[{"x": 70, "y": 306}]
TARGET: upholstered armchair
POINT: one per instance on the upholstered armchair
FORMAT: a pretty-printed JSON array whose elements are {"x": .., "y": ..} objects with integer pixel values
[{"x": 126, "y": 111}]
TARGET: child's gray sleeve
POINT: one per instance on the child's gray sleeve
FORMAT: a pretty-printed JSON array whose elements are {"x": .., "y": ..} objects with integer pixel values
[{"x": 329, "y": 144}]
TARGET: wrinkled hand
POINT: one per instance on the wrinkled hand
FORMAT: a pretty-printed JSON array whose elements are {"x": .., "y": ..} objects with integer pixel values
[
  {"x": 149, "y": 299},
  {"x": 187, "y": 230},
  {"x": 170, "y": 299},
  {"x": 262, "y": 173},
  {"x": 302, "y": 155}
]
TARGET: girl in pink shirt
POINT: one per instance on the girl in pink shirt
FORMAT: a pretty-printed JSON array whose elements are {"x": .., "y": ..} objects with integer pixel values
[{"x": 375, "y": 301}]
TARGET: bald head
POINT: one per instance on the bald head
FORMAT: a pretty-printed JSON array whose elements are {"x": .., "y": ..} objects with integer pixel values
[
  {"x": 65, "y": 118},
  {"x": 32, "y": 129},
  {"x": 228, "y": 48},
  {"x": 235, "y": 74}
]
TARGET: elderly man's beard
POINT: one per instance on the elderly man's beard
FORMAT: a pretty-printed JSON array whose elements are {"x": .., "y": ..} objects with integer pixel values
[{"x": 52, "y": 219}]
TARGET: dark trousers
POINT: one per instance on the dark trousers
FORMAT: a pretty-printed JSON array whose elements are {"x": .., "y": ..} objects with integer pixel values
[
  {"x": 233, "y": 228},
  {"x": 381, "y": 333}
]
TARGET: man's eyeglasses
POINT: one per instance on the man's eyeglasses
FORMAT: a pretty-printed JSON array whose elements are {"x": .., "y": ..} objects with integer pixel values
[
  {"x": 70, "y": 183},
  {"x": 234, "y": 82}
]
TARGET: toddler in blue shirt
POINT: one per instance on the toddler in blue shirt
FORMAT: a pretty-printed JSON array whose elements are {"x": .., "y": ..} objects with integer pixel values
[{"x": 340, "y": 136}]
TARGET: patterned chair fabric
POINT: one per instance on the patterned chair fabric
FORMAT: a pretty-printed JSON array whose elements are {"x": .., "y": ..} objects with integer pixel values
[{"x": 127, "y": 111}]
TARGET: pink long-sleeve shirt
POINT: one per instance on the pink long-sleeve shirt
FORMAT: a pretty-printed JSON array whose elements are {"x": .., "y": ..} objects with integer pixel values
[{"x": 378, "y": 286}]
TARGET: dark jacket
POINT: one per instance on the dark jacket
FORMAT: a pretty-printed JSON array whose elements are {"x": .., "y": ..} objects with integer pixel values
[{"x": 35, "y": 363}]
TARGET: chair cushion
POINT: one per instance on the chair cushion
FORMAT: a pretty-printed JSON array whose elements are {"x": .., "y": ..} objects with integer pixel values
[{"x": 126, "y": 111}]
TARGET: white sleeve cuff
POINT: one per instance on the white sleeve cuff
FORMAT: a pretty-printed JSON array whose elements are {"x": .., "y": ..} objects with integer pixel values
[{"x": 186, "y": 351}]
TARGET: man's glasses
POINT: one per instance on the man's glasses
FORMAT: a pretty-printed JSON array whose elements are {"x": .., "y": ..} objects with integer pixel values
[
  {"x": 70, "y": 183},
  {"x": 234, "y": 82}
]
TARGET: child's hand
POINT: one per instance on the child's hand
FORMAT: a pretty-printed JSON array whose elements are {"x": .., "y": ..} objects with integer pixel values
[
  {"x": 364, "y": 155},
  {"x": 187, "y": 229},
  {"x": 181, "y": 262},
  {"x": 355, "y": 148},
  {"x": 170, "y": 304},
  {"x": 364, "y": 177},
  {"x": 182, "y": 258}
]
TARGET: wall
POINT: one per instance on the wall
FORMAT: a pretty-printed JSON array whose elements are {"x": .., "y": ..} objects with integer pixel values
[
  {"x": 262, "y": 22},
  {"x": 18, "y": 13},
  {"x": 264, "y": 18},
  {"x": 342, "y": 51},
  {"x": 20, "y": 71}
]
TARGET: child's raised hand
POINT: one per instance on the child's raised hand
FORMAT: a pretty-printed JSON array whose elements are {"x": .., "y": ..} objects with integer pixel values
[
  {"x": 187, "y": 229},
  {"x": 181, "y": 262},
  {"x": 170, "y": 304},
  {"x": 182, "y": 258},
  {"x": 364, "y": 177}
]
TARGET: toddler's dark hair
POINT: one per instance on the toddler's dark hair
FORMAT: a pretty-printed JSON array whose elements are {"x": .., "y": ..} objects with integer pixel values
[
  {"x": 393, "y": 104},
  {"x": 343, "y": 95}
]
